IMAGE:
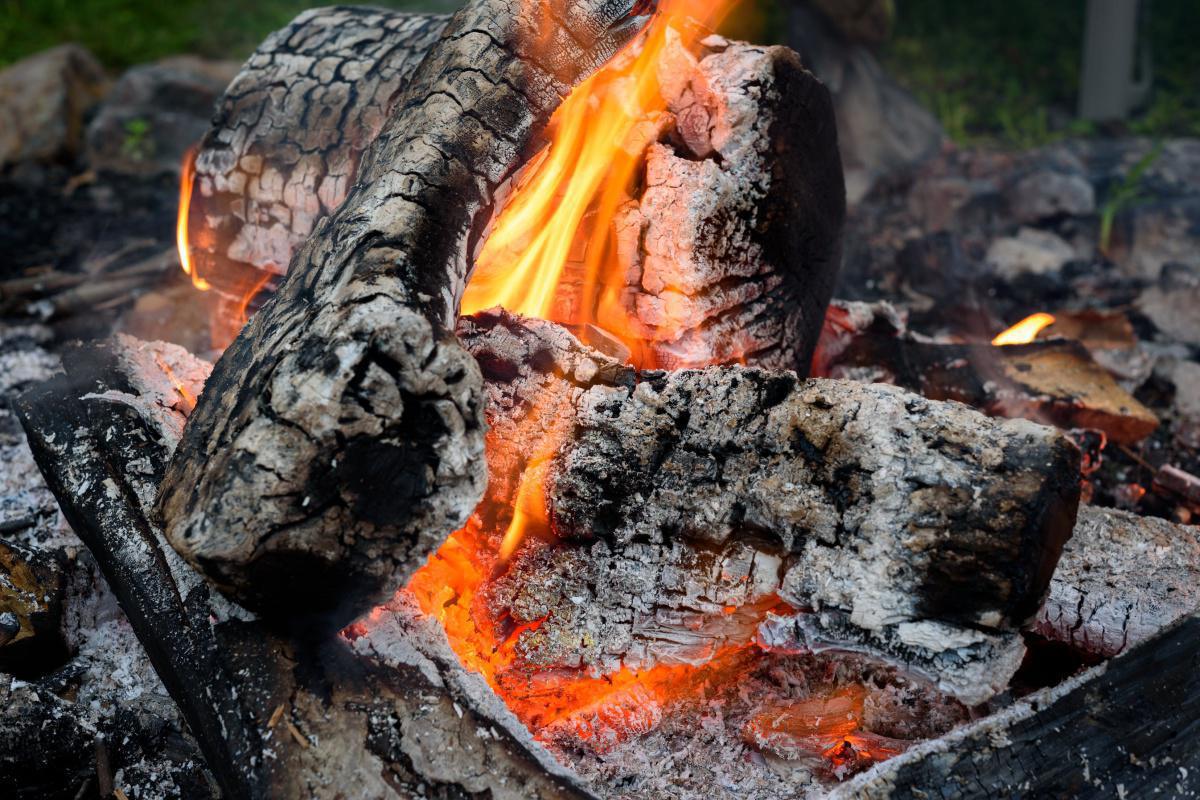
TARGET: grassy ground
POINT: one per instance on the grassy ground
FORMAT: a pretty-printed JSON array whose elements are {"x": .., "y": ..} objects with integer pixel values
[
  {"x": 126, "y": 32},
  {"x": 992, "y": 70},
  {"x": 1009, "y": 71}
]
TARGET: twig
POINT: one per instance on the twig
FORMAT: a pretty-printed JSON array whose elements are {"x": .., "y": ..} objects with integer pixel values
[
  {"x": 274, "y": 720},
  {"x": 300, "y": 738}
]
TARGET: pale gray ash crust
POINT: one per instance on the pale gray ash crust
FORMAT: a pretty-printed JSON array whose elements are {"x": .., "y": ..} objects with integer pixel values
[
  {"x": 834, "y": 496},
  {"x": 340, "y": 438},
  {"x": 1121, "y": 580}
]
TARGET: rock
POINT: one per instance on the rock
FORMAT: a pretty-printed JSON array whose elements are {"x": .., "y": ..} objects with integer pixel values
[
  {"x": 1173, "y": 304},
  {"x": 1031, "y": 251},
  {"x": 43, "y": 101},
  {"x": 882, "y": 129},
  {"x": 1152, "y": 235},
  {"x": 154, "y": 114},
  {"x": 1046, "y": 194}
]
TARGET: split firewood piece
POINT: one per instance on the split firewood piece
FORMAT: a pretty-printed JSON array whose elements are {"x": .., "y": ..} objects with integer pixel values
[
  {"x": 1122, "y": 579},
  {"x": 32, "y": 587},
  {"x": 392, "y": 712},
  {"x": 340, "y": 438},
  {"x": 289, "y": 134},
  {"x": 1055, "y": 381},
  {"x": 918, "y": 531},
  {"x": 728, "y": 242}
]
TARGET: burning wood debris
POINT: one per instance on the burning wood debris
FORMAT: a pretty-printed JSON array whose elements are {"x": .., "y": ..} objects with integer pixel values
[{"x": 508, "y": 441}]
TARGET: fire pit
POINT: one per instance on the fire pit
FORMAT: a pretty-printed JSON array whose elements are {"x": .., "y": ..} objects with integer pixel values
[{"x": 506, "y": 476}]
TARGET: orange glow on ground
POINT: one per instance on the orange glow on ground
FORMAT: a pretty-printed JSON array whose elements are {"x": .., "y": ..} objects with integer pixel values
[{"x": 1026, "y": 330}]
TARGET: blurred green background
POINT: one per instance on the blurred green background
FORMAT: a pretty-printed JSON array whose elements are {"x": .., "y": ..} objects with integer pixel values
[{"x": 994, "y": 71}]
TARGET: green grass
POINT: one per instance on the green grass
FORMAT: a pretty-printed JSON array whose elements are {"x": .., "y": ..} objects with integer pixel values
[
  {"x": 993, "y": 71},
  {"x": 1009, "y": 72}
]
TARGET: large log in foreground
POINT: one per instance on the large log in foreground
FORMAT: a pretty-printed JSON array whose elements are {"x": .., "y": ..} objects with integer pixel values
[
  {"x": 393, "y": 714},
  {"x": 340, "y": 437},
  {"x": 925, "y": 533}
]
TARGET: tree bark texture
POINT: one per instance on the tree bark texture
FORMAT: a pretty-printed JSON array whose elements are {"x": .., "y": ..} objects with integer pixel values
[
  {"x": 921, "y": 532},
  {"x": 340, "y": 436},
  {"x": 388, "y": 712},
  {"x": 290, "y": 132}
]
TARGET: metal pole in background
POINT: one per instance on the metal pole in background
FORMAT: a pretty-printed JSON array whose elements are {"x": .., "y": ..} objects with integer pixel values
[{"x": 1107, "y": 89}]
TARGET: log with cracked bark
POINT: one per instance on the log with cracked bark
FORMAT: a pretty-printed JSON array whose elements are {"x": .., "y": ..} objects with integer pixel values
[
  {"x": 1122, "y": 579},
  {"x": 389, "y": 713},
  {"x": 729, "y": 243},
  {"x": 340, "y": 436},
  {"x": 920, "y": 532},
  {"x": 289, "y": 134}
]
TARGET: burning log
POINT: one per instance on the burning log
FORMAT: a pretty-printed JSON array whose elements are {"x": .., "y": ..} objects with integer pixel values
[
  {"x": 727, "y": 236},
  {"x": 1122, "y": 579},
  {"x": 289, "y": 134},
  {"x": 391, "y": 712},
  {"x": 916, "y": 531},
  {"x": 340, "y": 436},
  {"x": 1121, "y": 729}
]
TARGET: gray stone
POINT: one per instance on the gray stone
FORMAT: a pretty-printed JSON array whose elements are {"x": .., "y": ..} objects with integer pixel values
[
  {"x": 1173, "y": 304},
  {"x": 43, "y": 101},
  {"x": 154, "y": 113},
  {"x": 1031, "y": 251},
  {"x": 1046, "y": 194}
]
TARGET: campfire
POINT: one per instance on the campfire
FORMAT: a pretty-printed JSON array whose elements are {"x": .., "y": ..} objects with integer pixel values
[{"x": 533, "y": 457}]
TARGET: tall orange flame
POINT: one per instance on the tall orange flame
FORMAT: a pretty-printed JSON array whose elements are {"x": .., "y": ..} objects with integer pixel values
[
  {"x": 571, "y": 195},
  {"x": 569, "y": 199},
  {"x": 186, "y": 184}
]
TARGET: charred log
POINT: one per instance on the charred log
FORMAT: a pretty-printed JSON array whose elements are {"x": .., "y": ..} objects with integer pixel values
[
  {"x": 1055, "y": 380},
  {"x": 340, "y": 437},
  {"x": 290, "y": 132},
  {"x": 729, "y": 244},
  {"x": 388, "y": 713},
  {"x": 921, "y": 532},
  {"x": 1124, "y": 729},
  {"x": 32, "y": 585},
  {"x": 1122, "y": 579}
]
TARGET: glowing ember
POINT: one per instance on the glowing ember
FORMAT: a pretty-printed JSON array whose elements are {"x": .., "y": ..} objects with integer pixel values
[
  {"x": 1026, "y": 330},
  {"x": 181, "y": 225}
]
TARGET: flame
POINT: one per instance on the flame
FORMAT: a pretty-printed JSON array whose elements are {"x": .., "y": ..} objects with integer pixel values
[
  {"x": 187, "y": 181},
  {"x": 189, "y": 397},
  {"x": 568, "y": 199},
  {"x": 1026, "y": 330}
]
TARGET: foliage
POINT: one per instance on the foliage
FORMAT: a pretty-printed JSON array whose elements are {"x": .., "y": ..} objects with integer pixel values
[
  {"x": 1009, "y": 72},
  {"x": 126, "y": 32},
  {"x": 1125, "y": 194}
]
